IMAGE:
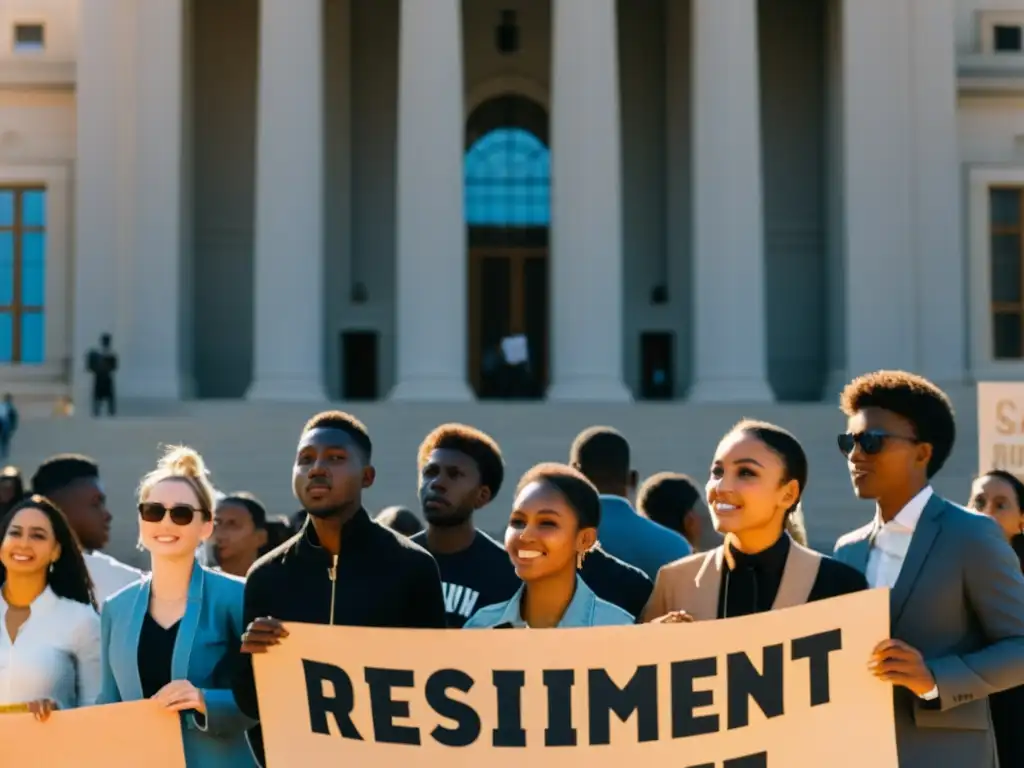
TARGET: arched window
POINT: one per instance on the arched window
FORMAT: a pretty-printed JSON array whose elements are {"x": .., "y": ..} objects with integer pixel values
[{"x": 508, "y": 180}]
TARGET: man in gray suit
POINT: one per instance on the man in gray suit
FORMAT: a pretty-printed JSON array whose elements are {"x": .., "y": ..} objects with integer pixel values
[
  {"x": 957, "y": 590},
  {"x": 602, "y": 455}
]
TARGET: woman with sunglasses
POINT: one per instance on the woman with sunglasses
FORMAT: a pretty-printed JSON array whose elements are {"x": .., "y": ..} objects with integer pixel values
[
  {"x": 754, "y": 487},
  {"x": 174, "y": 635}
]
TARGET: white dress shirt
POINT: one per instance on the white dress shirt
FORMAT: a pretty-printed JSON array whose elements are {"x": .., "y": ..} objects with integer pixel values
[
  {"x": 890, "y": 545},
  {"x": 55, "y": 654},
  {"x": 892, "y": 540},
  {"x": 109, "y": 575}
]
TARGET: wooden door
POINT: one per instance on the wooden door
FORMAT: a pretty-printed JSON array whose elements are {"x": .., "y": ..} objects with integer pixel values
[{"x": 508, "y": 294}]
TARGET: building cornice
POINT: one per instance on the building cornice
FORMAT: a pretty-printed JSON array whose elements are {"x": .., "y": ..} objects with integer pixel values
[
  {"x": 37, "y": 74},
  {"x": 988, "y": 74}
]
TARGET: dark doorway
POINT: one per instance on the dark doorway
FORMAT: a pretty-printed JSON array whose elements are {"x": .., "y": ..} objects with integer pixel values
[
  {"x": 508, "y": 212},
  {"x": 656, "y": 366},
  {"x": 508, "y": 297},
  {"x": 359, "y": 365}
]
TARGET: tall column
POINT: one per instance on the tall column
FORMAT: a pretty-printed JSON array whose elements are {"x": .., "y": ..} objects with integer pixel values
[
  {"x": 97, "y": 180},
  {"x": 152, "y": 362},
  {"x": 836, "y": 296},
  {"x": 338, "y": 124},
  {"x": 288, "y": 320},
  {"x": 730, "y": 335},
  {"x": 942, "y": 322},
  {"x": 586, "y": 205},
  {"x": 678, "y": 186},
  {"x": 878, "y": 251},
  {"x": 430, "y": 299}
]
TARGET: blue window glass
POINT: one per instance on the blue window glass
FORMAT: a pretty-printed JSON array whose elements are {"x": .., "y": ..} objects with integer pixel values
[
  {"x": 33, "y": 337},
  {"x": 6, "y": 337},
  {"x": 6, "y": 207},
  {"x": 33, "y": 208},
  {"x": 6, "y": 268},
  {"x": 33, "y": 269},
  {"x": 22, "y": 276},
  {"x": 508, "y": 180}
]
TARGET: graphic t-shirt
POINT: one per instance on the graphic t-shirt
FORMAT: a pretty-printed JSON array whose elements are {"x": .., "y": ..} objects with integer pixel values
[{"x": 479, "y": 575}]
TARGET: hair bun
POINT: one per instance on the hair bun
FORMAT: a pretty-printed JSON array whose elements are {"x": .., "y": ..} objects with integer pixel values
[{"x": 182, "y": 460}]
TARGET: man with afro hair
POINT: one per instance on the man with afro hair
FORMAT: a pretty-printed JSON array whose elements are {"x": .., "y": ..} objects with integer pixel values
[
  {"x": 957, "y": 594},
  {"x": 460, "y": 471}
]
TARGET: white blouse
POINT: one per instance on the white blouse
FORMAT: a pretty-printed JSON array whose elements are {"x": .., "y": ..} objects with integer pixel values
[{"x": 55, "y": 654}]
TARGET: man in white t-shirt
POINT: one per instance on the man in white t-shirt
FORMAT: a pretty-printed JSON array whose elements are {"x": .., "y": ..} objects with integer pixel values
[{"x": 72, "y": 482}]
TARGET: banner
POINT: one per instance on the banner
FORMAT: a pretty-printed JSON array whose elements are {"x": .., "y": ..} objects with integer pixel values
[
  {"x": 786, "y": 689},
  {"x": 1001, "y": 427},
  {"x": 112, "y": 736}
]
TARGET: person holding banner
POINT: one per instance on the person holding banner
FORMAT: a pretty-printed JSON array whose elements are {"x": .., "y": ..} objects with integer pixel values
[
  {"x": 49, "y": 628},
  {"x": 552, "y": 527},
  {"x": 342, "y": 568},
  {"x": 174, "y": 636},
  {"x": 957, "y": 593},
  {"x": 757, "y": 478}
]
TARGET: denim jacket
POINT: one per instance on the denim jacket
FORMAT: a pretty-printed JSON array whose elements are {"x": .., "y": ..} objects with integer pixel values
[{"x": 585, "y": 610}]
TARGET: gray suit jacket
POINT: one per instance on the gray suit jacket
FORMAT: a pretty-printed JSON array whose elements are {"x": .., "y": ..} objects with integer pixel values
[{"x": 959, "y": 600}]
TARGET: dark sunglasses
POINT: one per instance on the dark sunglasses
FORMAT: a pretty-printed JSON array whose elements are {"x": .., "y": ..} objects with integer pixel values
[
  {"x": 871, "y": 442},
  {"x": 181, "y": 514}
]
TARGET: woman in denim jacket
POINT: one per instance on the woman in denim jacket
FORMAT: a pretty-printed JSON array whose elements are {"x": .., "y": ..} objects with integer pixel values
[{"x": 553, "y": 525}]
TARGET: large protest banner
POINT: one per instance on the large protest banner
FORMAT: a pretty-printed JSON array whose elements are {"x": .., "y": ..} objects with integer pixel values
[
  {"x": 129, "y": 735},
  {"x": 787, "y": 689},
  {"x": 1001, "y": 427}
]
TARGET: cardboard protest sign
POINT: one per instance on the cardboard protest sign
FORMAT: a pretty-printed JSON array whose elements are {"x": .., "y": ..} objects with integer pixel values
[
  {"x": 1001, "y": 427},
  {"x": 788, "y": 688},
  {"x": 112, "y": 736}
]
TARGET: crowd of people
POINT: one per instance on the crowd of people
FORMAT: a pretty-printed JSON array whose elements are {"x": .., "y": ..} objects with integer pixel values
[{"x": 79, "y": 628}]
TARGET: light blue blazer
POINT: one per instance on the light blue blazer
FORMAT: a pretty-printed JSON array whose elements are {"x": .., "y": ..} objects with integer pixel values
[
  {"x": 585, "y": 610},
  {"x": 211, "y": 626}
]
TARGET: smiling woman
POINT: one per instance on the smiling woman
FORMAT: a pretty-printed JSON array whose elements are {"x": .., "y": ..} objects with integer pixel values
[
  {"x": 552, "y": 527},
  {"x": 174, "y": 636},
  {"x": 49, "y": 629},
  {"x": 757, "y": 476}
]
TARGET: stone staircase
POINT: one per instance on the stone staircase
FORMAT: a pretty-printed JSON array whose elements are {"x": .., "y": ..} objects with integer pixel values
[{"x": 250, "y": 446}]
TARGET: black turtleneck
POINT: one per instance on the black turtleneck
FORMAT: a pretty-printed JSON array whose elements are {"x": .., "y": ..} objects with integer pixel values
[{"x": 752, "y": 586}]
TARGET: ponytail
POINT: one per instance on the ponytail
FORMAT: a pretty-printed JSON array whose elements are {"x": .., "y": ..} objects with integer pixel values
[{"x": 794, "y": 524}]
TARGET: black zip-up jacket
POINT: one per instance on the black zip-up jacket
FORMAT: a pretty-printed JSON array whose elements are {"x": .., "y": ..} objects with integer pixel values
[{"x": 379, "y": 579}]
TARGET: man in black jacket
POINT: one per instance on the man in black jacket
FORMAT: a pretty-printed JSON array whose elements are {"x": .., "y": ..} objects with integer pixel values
[{"x": 342, "y": 567}]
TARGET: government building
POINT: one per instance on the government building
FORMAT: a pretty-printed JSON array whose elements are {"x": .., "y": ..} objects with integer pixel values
[{"x": 722, "y": 201}]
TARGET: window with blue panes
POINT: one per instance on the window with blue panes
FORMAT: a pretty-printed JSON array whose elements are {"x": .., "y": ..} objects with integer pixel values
[
  {"x": 22, "y": 275},
  {"x": 508, "y": 180}
]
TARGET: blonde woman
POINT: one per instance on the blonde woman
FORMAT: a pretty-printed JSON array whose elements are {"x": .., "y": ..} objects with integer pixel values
[{"x": 173, "y": 636}]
